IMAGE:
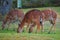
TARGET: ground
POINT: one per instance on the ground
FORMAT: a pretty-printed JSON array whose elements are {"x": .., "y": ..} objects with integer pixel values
[{"x": 11, "y": 34}]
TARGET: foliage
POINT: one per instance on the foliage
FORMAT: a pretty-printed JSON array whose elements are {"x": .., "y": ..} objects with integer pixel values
[{"x": 40, "y": 3}]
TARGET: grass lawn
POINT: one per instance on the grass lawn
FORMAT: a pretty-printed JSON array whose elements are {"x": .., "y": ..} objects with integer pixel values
[{"x": 11, "y": 34}]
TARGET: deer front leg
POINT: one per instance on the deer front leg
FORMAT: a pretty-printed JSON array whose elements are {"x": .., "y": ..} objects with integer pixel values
[{"x": 31, "y": 28}]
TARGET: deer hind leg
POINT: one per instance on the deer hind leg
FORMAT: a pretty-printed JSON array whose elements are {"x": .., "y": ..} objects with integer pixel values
[{"x": 53, "y": 25}]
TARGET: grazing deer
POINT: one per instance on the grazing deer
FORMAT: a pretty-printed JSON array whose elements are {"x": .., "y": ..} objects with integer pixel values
[
  {"x": 51, "y": 16},
  {"x": 31, "y": 17},
  {"x": 13, "y": 15}
]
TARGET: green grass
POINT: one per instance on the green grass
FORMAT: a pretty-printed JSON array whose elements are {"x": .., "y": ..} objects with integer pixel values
[
  {"x": 11, "y": 33},
  {"x": 57, "y": 9}
]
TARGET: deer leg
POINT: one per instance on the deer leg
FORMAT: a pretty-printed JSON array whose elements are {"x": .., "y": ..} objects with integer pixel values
[
  {"x": 8, "y": 25},
  {"x": 3, "y": 24},
  {"x": 50, "y": 29},
  {"x": 31, "y": 28},
  {"x": 27, "y": 27},
  {"x": 53, "y": 25},
  {"x": 54, "y": 28},
  {"x": 38, "y": 27},
  {"x": 42, "y": 27}
]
